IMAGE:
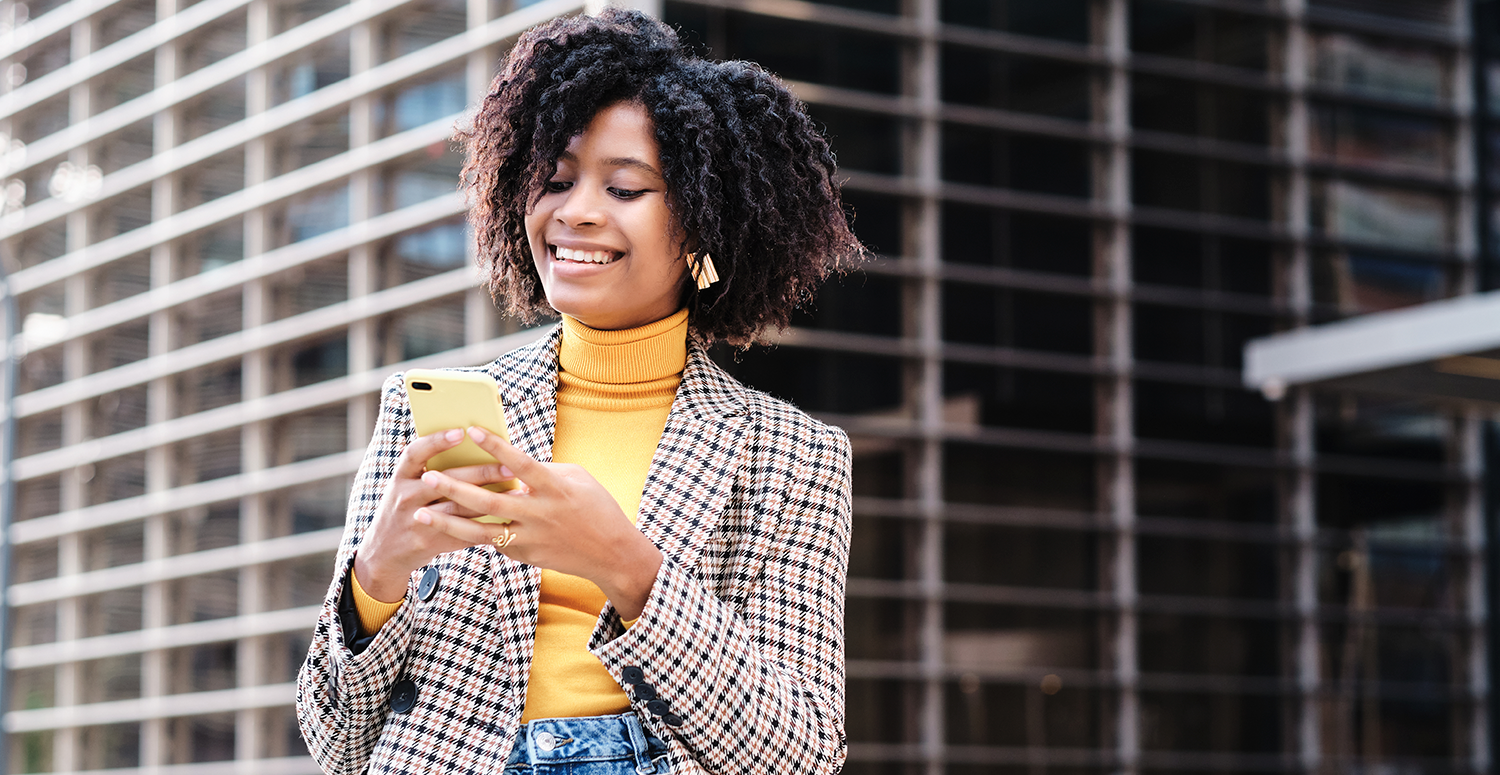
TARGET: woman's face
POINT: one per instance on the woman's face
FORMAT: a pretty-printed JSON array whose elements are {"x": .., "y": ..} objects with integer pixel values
[{"x": 603, "y": 240}]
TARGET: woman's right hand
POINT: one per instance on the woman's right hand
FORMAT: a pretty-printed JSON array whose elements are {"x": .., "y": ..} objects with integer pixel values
[{"x": 396, "y": 544}]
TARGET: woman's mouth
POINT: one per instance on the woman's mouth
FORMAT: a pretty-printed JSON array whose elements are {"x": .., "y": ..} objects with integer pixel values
[{"x": 584, "y": 256}]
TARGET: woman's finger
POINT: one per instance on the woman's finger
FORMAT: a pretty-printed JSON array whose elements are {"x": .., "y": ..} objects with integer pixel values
[
  {"x": 449, "y": 507},
  {"x": 413, "y": 460},
  {"x": 518, "y": 463},
  {"x": 469, "y": 496},
  {"x": 488, "y": 473},
  {"x": 466, "y": 530}
]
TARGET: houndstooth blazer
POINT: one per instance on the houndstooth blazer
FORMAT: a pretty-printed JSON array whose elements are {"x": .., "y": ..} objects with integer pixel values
[{"x": 741, "y": 637}]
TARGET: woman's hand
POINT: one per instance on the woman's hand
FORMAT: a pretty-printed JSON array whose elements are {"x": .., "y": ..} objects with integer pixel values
[
  {"x": 396, "y": 544},
  {"x": 562, "y": 519}
]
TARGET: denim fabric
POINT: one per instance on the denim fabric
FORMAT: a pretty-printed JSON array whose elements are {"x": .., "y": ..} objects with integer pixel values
[{"x": 594, "y": 745}]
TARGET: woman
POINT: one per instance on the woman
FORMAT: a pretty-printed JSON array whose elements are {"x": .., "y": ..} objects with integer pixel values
[{"x": 668, "y": 595}]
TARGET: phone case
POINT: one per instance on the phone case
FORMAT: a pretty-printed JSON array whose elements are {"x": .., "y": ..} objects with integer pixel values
[{"x": 443, "y": 400}]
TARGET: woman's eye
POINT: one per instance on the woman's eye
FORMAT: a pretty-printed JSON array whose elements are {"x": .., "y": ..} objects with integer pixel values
[
  {"x": 556, "y": 186},
  {"x": 624, "y": 193}
]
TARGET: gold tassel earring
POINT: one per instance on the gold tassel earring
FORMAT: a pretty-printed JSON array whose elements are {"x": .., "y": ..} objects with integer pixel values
[{"x": 703, "y": 270}]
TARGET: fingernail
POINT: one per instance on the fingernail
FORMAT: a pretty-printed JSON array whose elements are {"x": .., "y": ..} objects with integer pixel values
[
  {"x": 507, "y": 473},
  {"x": 476, "y": 433},
  {"x": 430, "y": 478},
  {"x": 454, "y": 435},
  {"x": 422, "y": 515}
]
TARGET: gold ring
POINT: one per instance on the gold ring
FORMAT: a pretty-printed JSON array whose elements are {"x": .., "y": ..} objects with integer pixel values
[{"x": 504, "y": 539}]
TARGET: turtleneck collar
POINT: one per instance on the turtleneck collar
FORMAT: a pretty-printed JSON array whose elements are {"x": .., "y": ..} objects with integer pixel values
[{"x": 635, "y": 368}]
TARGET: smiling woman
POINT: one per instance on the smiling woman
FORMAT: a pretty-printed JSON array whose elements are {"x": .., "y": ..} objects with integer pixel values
[{"x": 666, "y": 593}]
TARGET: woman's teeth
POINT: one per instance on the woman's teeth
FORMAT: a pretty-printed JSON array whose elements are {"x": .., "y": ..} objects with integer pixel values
[{"x": 591, "y": 256}]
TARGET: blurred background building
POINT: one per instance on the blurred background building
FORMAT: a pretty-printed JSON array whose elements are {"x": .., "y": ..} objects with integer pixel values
[{"x": 1081, "y": 545}]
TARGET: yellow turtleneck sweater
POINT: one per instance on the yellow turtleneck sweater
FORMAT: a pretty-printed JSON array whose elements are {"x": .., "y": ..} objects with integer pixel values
[{"x": 614, "y": 391}]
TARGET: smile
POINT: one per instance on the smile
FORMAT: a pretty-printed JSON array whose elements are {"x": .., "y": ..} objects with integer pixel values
[{"x": 584, "y": 256}]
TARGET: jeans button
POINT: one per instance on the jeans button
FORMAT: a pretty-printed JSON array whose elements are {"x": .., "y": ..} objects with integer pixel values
[{"x": 546, "y": 741}]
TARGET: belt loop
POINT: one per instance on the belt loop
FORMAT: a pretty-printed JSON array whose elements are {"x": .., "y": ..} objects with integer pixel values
[{"x": 637, "y": 735}]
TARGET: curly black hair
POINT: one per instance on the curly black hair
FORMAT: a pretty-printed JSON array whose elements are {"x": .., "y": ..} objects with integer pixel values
[{"x": 748, "y": 176}]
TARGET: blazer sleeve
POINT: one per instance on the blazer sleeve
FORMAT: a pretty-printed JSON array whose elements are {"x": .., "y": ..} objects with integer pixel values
[
  {"x": 759, "y": 687},
  {"x": 344, "y": 684}
]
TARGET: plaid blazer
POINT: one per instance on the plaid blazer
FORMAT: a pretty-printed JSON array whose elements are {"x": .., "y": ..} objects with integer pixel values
[{"x": 742, "y": 635}]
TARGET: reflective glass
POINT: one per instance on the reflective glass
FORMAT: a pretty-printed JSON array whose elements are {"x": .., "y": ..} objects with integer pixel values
[
  {"x": 1350, "y": 63},
  {"x": 425, "y": 101},
  {"x": 1384, "y": 218},
  {"x": 206, "y": 596},
  {"x": 1360, "y": 136},
  {"x": 1358, "y": 282},
  {"x": 415, "y": 255}
]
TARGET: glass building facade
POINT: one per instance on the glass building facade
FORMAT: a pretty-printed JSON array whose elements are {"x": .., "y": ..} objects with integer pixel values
[{"x": 1080, "y": 545}]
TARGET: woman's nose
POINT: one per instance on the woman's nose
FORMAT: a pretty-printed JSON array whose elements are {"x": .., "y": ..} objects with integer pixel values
[{"x": 581, "y": 208}]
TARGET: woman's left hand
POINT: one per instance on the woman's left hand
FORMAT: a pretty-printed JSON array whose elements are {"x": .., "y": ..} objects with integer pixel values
[{"x": 562, "y": 519}]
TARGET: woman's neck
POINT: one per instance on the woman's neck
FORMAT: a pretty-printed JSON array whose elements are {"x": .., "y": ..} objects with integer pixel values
[{"x": 622, "y": 370}]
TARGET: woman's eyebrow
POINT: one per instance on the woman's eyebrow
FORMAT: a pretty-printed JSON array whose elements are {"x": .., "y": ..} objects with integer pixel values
[
  {"x": 634, "y": 163},
  {"x": 618, "y": 161}
]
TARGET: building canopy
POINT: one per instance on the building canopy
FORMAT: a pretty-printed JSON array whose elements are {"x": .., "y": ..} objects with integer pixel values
[{"x": 1446, "y": 350}]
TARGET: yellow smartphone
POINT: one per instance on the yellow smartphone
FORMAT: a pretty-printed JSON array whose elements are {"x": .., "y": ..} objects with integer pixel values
[{"x": 443, "y": 400}]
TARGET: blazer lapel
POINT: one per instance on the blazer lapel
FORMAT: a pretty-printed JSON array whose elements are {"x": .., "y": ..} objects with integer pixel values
[
  {"x": 695, "y": 464},
  {"x": 527, "y": 379}
]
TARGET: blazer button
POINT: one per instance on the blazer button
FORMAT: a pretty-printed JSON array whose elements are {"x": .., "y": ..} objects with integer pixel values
[
  {"x": 428, "y": 585},
  {"x": 657, "y": 707},
  {"x": 633, "y": 675},
  {"x": 645, "y": 691},
  {"x": 672, "y": 720},
  {"x": 403, "y": 696}
]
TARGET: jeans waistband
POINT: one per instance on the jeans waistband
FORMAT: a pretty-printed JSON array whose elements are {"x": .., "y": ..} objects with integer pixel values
[{"x": 588, "y": 738}]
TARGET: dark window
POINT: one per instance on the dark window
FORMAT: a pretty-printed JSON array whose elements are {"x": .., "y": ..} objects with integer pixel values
[
  {"x": 1171, "y": 488},
  {"x": 990, "y": 79},
  {"x": 859, "y": 303},
  {"x": 1182, "y": 31},
  {"x": 1018, "y": 398},
  {"x": 1180, "y": 182},
  {"x": 1207, "y": 261},
  {"x": 1181, "y": 721},
  {"x": 1194, "y": 336},
  {"x": 1043, "y": 243},
  {"x": 1059, "y": 19},
  {"x": 1042, "y": 165},
  {"x": 1215, "y": 645},
  {"x": 1171, "y": 565},
  {"x": 1019, "y": 556},
  {"x": 876, "y": 220},
  {"x": 1207, "y": 110},
  {"x": 1001, "y": 317},
  {"x": 818, "y": 381},
  {"x": 1165, "y": 410},
  {"x": 1013, "y": 477},
  {"x": 860, "y": 140}
]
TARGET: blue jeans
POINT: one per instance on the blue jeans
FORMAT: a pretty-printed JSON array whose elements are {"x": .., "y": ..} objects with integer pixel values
[{"x": 592, "y": 745}]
